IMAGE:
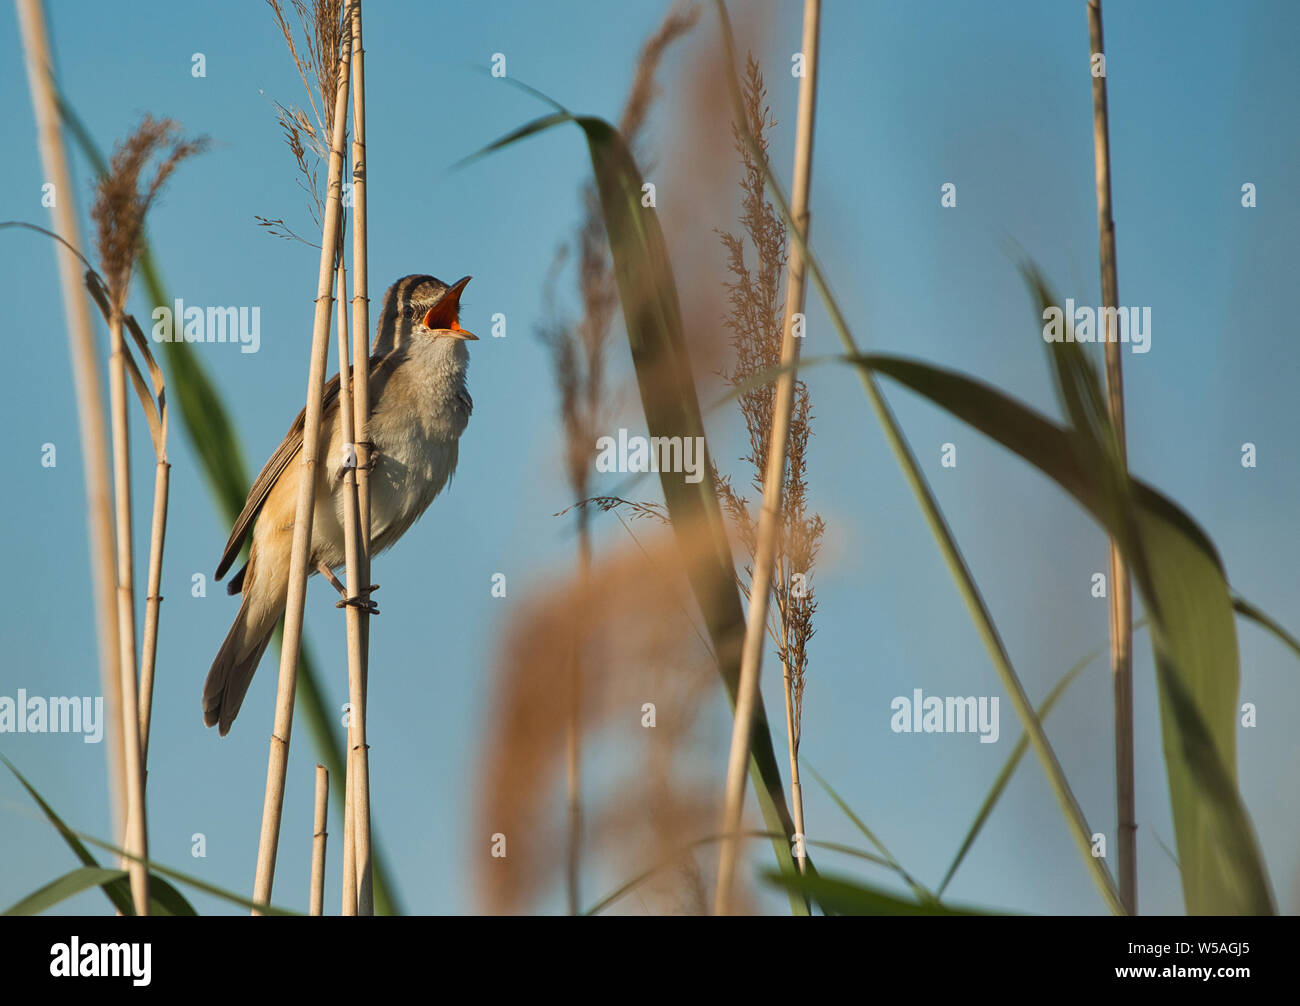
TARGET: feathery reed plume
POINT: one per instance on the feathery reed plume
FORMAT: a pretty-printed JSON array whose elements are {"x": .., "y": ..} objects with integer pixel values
[
  {"x": 577, "y": 351},
  {"x": 756, "y": 312},
  {"x": 90, "y": 400},
  {"x": 774, "y": 477},
  {"x": 119, "y": 213},
  {"x": 1121, "y": 590},
  {"x": 319, "y": 836},
  {"x": 644, "y": 674},
  {"x": 277, "y": 762}
]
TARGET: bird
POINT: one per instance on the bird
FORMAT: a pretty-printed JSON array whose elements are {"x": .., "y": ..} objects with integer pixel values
[{"x": 419, "y": 407}]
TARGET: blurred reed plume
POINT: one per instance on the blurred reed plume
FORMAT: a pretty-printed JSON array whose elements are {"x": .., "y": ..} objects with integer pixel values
[
  {"x": 578, "y": 350},
  {"x": 645, "y": 675},
  {"x": 757, "y": 309}
]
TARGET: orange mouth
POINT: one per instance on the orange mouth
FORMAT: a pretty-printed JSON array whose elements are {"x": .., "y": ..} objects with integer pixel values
[{"x": 444, "y": 317}]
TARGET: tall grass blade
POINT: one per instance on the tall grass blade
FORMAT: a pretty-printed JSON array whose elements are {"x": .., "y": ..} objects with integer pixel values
[
  {"x": 1013, "y": 761},
  {"x": 192, "y": 881},
  {"x": 1182, "y": 582},
  {"x": 630, "y": 885},
  {"x": 83, "y": 878},
  {"x": 1271, "y": 625},
  {"x": 920, "y": 890},
  {"x": 163, "y": 898},
  {"x": 841, "y": 896},
  {"x": 119, "y": 895}
]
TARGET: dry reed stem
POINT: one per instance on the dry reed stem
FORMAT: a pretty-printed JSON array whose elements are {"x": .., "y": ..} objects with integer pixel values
[
  {"x": 153, "y": 599},
  {"x": 277, "y": 762},
  {"x": 136, "y": 831},
  {"x": 361, "y": 392},
  {"x": 349, "y": 904},
  {"x": 157, "y": 414},
  {"x": 320, "y": 820},
  {"x": 318, "y": 839},
  {"x": 1121, "y": 590},
  {"x": 773, "y": 482},
  {"x": 155, "y": 410},
  {"x": 90, "y": 400},
  {"x": 358, "y": 762},
  {"x": 350, "y": 887},
  {"x": 361, "y": 319}
]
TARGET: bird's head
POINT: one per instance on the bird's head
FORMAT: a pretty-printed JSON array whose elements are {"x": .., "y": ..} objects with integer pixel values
[{"x": 420, "y": 307}]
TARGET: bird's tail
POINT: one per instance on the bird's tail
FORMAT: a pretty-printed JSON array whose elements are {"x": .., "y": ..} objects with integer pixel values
[{"x": 237, "y": 660}]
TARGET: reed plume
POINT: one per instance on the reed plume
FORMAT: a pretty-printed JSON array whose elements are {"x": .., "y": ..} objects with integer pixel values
[
  {"x": 645, "y": 674},
  {"x": 756, "y": 313}
]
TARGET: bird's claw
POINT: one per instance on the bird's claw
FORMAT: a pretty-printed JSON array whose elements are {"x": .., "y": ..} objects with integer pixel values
[
  {"x": 361, "y": 602},
  {"x": 372, "y": 455}
]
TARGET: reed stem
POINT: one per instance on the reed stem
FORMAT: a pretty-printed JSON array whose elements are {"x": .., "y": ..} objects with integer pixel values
[
  {"x": 136, "y": 832},
  {"x": 278, "y": 760},
  {"x": 319, "y": 836},
  {"x": 361, "y": 393},
  {"x": 153, "y": 599},
  {"x": 769, "y": 521},
  {"x": 1121, "y": 589},
  {"x": 358, "y": 764},
  {"x": 86, "y": 383}
]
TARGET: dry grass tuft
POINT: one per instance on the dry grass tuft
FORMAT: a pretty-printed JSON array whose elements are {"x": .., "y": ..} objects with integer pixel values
[{"x": 326, "y": 34}]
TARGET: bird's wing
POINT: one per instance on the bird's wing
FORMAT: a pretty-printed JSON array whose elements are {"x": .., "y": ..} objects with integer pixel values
[
  {"x": 275, "y": 467},
  {"x": 271, "y": 471}
]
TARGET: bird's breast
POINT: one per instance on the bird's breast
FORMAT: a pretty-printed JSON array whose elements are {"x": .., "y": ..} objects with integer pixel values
[{"x": 416, "y": 459}]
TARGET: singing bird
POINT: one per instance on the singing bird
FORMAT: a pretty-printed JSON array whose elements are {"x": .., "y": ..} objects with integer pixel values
[{"x": 419, "y": 407}]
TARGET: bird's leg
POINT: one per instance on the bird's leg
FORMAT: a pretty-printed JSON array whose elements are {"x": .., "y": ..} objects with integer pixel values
[{"x": 362, "y": 600}]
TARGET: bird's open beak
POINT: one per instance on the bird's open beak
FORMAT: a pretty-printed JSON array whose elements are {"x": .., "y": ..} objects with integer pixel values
[{"x": 444, "y": 317}]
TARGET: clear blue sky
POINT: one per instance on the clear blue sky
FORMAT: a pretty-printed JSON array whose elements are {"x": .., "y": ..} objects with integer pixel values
[{"x": 992, "y": 97}]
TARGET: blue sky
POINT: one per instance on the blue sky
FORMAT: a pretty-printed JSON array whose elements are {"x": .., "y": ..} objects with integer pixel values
[{"x": 993, "y": 98}]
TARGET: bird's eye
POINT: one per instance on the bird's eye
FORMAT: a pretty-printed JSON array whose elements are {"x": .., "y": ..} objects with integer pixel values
[{"x": 408, "y": 313}]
